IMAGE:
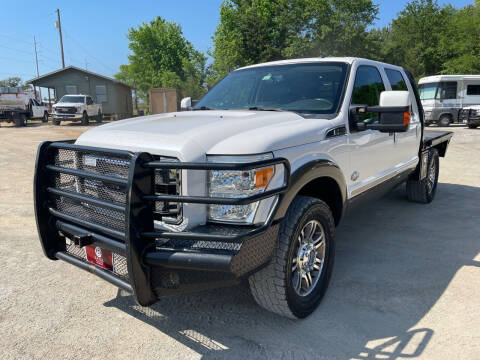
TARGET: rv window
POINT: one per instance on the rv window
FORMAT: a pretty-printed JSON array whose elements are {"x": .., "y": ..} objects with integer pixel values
[
  {"x": 447, "y": 90},
  {"x": 473, "y": 90},
  {"x": 396, "y": 80},
  {"x": 427, "y": 91}
]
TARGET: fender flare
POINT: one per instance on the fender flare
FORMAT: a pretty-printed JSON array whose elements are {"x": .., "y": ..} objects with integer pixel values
[{"x": 305, "y": 174}]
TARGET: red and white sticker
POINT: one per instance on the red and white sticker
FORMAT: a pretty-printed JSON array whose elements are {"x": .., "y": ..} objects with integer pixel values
[{"x": 100, "y": 257}]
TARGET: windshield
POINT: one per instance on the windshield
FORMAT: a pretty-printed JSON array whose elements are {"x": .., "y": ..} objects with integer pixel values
[
  {"x": 72, "y": 99},
  {"x": 427, "y": 91},
  {"x": 304, "y": 88}
]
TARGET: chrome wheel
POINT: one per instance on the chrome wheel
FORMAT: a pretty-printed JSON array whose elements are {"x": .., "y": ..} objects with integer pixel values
[
  {"x": 308, "y": 258},
  {"x": 432, "y": 176}
]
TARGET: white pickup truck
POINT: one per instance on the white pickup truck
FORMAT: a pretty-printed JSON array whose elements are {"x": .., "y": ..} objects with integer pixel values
[
  {"x": 76, "y": 108},
  {"x": 249, "y": 184}
]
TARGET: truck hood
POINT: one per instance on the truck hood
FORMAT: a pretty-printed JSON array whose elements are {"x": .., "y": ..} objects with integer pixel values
[{"x": 190, "y": 135}]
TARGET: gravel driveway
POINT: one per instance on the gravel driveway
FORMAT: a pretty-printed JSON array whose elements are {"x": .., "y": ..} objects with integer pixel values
[{"x": 406, "y": 283}]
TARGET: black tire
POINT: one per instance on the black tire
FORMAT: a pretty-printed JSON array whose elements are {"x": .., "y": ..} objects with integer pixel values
[
  {"x": 272, "y": 286},
  {"x": 45, "y": 117},
  {"x": 472, "y": 126},
  {"x": 85, "y": 120},
  {"x": 20, "y": 121},
  {"x": 423, "y": 191},
  {"x": 444, "y": 120},
  {"x": 56, "y": 122},
  {"x": 99, "y": 117}
]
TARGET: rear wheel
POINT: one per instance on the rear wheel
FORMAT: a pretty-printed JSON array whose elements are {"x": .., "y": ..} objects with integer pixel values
[
  {"x": 45, "y": 117},
  {"x": 423, "y": 191},
  {"x": 56, "y": 122},
  {"x": 20, "y": 120},
  {"x": 295, "y": 281},
  {"x": 472, "y": 126},
  {"x": 99, "y": 117},
  {"x": 444, "y": 120},
  {"x": 85, "y": 120}
]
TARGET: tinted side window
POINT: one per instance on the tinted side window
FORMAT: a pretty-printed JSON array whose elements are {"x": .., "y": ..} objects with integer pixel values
[
  {"x": 89, "y": 101},
  {"x": 396, "y": 80},
  {"x": 473, "y": 90},
  {"x": 447, "y": 90},
  {"x": 368, "y": 86}
]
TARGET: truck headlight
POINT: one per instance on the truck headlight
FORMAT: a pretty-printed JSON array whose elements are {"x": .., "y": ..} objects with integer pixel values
[{"x": 237, "y": 184}]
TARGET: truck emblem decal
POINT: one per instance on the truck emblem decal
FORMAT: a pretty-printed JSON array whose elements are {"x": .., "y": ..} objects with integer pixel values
[
  {"x": 98, "y": 252},
  {"x": 355, "y": 175}
]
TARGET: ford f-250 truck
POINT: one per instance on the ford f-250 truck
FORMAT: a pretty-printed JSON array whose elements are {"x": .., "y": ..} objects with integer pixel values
[
  {"x": 249, "y": 184},
  {"x": 76, "y": 108}
]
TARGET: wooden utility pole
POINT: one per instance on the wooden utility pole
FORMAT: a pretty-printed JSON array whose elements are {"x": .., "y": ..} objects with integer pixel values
[
  {"x": 135, "y": 90},
  {"x": 59, "y": 26},
  {"x": 36, "y": 62},
  {"x": 36, "y": 57}
]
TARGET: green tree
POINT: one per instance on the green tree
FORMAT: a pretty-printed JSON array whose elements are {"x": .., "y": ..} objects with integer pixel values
[
  {"x": 253, "y": 31},
  {"x": 414, "y": 37},
  {"x": 461, "y": 42},
  {"x": 162, "y": 57},
  {"x": 13, "y": 81}
]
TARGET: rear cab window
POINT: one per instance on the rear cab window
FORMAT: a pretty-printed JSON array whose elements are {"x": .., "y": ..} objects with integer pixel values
[{"x": 397, "y": 82}]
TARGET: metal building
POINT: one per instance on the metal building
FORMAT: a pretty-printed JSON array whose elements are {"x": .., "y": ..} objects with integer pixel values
[{"x": 115, "y": 96}]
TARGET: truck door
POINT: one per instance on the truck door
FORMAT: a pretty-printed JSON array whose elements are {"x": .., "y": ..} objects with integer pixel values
[
  {"x": 90, "y": 107},
  {"x": 407, "y": 143},
  {"x": 447, "y": 99},
  {"x": 370, "y": 150},
  {"x": 37, "y": 109}
]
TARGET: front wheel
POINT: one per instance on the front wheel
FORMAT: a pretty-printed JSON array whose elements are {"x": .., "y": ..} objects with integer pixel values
[
  {"x": 472, "y": 126},
  {"x": 85, "y": 120},
  {"x": 295, "y": 280},
  {"x": 444, "y": 120},
  {"x": 45, "y": 117}
]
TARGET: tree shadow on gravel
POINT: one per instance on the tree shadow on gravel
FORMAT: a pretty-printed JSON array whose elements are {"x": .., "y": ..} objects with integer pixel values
[{"x": 394, "y": 260}]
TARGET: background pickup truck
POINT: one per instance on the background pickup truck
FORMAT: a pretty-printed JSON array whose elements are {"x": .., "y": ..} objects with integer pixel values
[
  {"x": 17, "y": 105},
  {"x": 250, "y": 184},
  {"x": 76, "y": 108},
  {"x": 470, "y": 115}
]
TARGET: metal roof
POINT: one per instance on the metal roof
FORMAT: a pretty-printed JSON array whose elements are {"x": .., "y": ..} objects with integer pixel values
[{"x": 71, "y": 67}]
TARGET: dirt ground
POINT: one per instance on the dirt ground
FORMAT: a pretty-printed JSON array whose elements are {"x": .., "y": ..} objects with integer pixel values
[{"x": 406, "y": 283}]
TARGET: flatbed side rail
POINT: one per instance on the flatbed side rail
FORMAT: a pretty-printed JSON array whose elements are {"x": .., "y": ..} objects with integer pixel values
[{"x": 437, "y": 139}]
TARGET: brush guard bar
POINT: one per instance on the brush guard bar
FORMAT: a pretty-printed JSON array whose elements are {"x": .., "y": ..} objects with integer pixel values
[{"x": 139, "y": 242}]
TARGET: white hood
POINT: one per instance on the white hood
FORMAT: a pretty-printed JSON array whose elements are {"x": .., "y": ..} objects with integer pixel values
[
  {"x": 67, "y": 104},
  {"x": 191, "y": 135}
]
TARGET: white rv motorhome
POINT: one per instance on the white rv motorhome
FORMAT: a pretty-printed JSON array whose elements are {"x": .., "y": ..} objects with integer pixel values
[{"x": 444, "y": 96}]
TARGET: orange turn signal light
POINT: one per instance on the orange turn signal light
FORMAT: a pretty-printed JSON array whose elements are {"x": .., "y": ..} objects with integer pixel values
[
  {"x": 406, "y": 118},
  {"x": 263, "y": 176}
]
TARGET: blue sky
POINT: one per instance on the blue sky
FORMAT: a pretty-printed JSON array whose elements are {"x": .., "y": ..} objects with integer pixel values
[{"x": 94, "y": 32}]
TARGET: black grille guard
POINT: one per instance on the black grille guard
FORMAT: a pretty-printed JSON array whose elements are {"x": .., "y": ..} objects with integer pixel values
[{"x": 138, "y": 242}]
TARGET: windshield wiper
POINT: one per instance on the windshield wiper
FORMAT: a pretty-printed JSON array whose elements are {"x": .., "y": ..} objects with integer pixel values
[{"x": 263, "y": 109}]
